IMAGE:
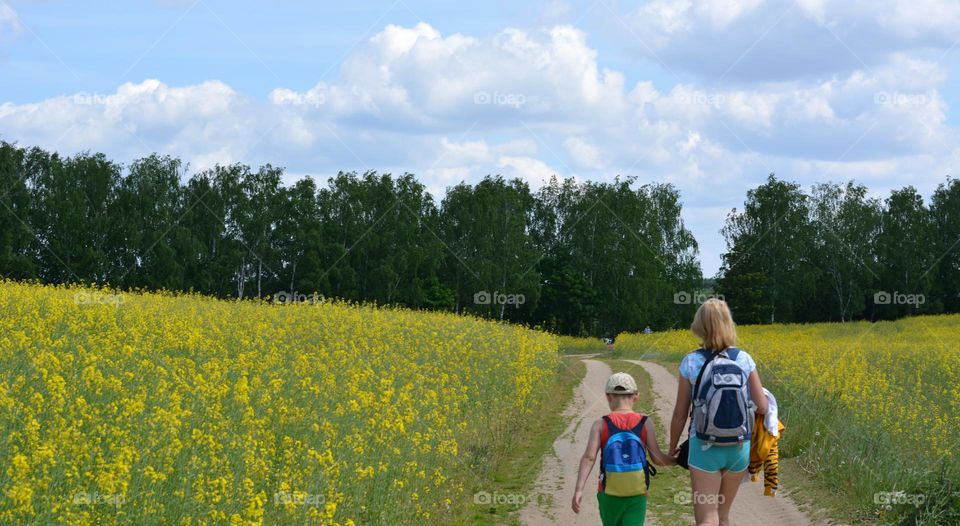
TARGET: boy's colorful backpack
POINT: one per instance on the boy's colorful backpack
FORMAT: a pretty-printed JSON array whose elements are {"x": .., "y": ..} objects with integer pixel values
[
  {"x": 624, "y": 468},
  {"x": 722, "y": 408}
]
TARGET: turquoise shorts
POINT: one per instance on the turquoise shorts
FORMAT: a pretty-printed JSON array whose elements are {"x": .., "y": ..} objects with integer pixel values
[{"x": 719, "y": 458}]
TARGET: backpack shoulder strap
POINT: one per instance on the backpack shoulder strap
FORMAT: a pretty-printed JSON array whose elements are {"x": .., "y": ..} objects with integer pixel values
[
  {"x": 612, "y": 428},
  {"x": 696, "y": 386},
  {"x": 638, "y": 429},
  {"x": 733, "y": 352},
  {"x": 648, "y": 469},
  {"x": 603, "y": 447}
]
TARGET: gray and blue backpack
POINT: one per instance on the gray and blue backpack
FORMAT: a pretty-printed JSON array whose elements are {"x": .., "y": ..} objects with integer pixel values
[{"x": 723, "y": 412}]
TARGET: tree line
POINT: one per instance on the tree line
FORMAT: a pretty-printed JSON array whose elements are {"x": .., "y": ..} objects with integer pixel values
[
  {"x": 582, "y": 258},
  {"x": 576, "y": 258},
  {"x": 836, "y": 254}
]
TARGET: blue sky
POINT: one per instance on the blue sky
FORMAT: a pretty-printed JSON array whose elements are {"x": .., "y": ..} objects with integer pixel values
[
  {"x": 252, "y": 46},
  {"x": 709, "y": 95}
]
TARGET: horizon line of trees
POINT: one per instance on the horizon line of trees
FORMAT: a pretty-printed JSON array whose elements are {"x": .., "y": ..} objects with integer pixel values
[
  {"x": 836, "y": 254},
  {"x": 575, "y": 258}
]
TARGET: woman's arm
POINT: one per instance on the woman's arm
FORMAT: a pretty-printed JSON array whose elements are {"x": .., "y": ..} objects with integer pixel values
[
  {"x": 654, "y": 447},
  {"x": 680, "y": 411},
  {"x": 587, "y": 461},
  {"x": 756, "y": 393}
]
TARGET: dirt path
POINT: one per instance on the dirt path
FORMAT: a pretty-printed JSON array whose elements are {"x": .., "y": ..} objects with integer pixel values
[
  {"x": 559, "y": 473},
  {"x": 555, "y": 484},
  {"x": 751, "y": 508}
]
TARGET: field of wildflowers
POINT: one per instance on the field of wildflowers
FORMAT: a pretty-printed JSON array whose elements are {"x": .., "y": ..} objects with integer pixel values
[{"x": 125, "y": 408}]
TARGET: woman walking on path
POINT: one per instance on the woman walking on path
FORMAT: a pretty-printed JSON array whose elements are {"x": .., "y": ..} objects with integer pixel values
[{"x": 723, "y": 403}]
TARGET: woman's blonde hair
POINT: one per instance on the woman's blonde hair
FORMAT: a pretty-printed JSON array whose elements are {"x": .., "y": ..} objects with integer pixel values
[{"x": 713, "y": 324}]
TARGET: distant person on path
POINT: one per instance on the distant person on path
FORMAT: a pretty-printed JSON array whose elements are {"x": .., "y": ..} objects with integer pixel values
[
  {"x": 622, "y": 439},
  {"x": 647, "y": 330},
  {"x": 721, "y": 392}
]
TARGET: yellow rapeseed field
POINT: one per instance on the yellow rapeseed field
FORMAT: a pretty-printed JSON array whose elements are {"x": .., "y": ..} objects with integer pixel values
[{"x": 120, "y": 408}]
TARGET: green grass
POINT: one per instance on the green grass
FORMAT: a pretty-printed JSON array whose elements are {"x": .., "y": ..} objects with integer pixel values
[
  {"x": 516, "y": 463},
  {"x": 816, "y": 499},
  {"x": 570, "y": 345},
  {"x": 829, "y": 461}
]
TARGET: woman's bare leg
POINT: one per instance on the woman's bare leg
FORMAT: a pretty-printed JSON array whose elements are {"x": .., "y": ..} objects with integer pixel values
[
  {"x": 706, "y": 490},
  {"x": 729, "y": 484}
]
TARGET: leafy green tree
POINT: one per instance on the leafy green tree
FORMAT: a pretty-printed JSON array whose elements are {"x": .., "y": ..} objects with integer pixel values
[
  {"x": 16, "y": 236},
  {"x": 747, "y": 296},
  {"x": 845, "y": 225},
  {"x": 438, "y": 296},
  {"x": 146, "y": 229},
  {"x": 768, "y": 249},
  {"x": 71, "y": 216},
  {"x": 491, "y": 255},
  {"x": 945, "y": 209},
  {"x": 568, "y": 304},
  {"x": 905, "y": 256},
  {"x": 299, "y": 235},
  {"x": 381, "y": 236},
  {"x": 216, "y": 264},
  {"x": 613, "y": 256},
  {"x": 256, "y": 214},
  {"x": 676, "y": 247}
]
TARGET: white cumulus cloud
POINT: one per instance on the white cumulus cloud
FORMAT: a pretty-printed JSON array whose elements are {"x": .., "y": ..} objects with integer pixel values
[{"x": 533, "y": 103}]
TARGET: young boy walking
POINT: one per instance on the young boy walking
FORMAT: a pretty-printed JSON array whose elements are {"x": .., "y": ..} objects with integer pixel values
[{"x": 622, "y": 439}]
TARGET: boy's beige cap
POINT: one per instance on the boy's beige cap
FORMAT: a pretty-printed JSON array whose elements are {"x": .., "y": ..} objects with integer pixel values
[{"x": 621, "y": 383}]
